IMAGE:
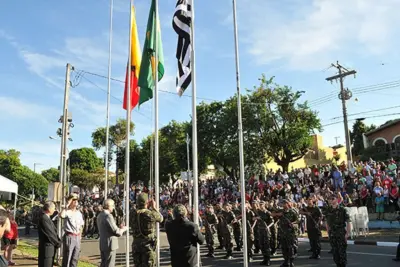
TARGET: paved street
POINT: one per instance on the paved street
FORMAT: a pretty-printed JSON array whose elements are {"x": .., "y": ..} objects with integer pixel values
[{"x": 358, "y": 255}]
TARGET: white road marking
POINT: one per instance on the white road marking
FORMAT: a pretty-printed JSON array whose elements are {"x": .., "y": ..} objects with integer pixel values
[{"x": 366, "y": 253}]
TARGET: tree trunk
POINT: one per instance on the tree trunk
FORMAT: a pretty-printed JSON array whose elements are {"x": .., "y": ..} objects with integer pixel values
[{"x": 285, "y": 165}]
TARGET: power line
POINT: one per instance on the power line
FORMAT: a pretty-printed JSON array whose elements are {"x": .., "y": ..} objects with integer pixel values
[
  {"x": 368, "y": 111},
  {"x": 312, "y": 103},
  {"x": 105, "y": 91},
  {"x": 370, "y": 117},
  {"x": 160, "y": 90},
  {"x": 357, "y": 91}
]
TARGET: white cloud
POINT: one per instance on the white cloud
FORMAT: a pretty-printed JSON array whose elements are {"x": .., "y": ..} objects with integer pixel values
[
  {"x": 22, "y": 109},
  {"x": 301, "y": 35}
]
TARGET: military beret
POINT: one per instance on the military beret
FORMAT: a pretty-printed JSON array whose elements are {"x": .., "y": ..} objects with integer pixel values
[
  {"x": 142, "y": 198},
  {"x": 285, "y": 201},
  {"x": 210, "y": 206},
  {"x": 262, "y": 203},
  {"x": 226, "y": 204}
]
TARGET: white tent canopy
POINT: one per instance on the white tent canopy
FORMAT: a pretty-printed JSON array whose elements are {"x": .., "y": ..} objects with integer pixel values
[{"x": 6, "y": 185}]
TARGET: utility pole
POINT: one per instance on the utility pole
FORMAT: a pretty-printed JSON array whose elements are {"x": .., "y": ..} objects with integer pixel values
[
  {"x": 336, "y": 138},
  {"x": 344, "y": 95},
  {"x": 66, "y": 123}
]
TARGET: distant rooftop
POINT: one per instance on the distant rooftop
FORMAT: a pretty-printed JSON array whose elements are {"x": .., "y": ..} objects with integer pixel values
[{"x": 383, "y": 126}]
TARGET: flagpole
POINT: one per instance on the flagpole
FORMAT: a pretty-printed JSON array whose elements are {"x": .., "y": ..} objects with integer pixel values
[
  {"x": 240, "y": 135},
  {"x": 128, "y": 124},
  {"x": 108, "y": 101},
  {"x": 194, "y": 135},
  {"x": 156, "y": 141}
]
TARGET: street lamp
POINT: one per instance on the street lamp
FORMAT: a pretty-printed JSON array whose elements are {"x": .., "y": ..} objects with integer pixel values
[{"x": 34, "y": 166}]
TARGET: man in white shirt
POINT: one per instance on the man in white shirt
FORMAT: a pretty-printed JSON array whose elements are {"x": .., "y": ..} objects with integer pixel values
[{"x": 73, "y": 225}]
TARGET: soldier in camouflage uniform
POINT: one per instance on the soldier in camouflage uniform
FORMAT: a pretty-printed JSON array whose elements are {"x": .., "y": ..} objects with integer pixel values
[
  {"x": 338, "y": 226},
  {"x": 143, "y": 225},
  {"x": 210, "y": 220},
  {"x": 226, "y": 218},
  {"x": 274, "y": 229},
  {"x": 237, "y": 227},
  {"x": 314, "y": 217},
  {"x": 256, "y": 233},
  {"x": 288, "y": 220},
  {"x": 264, "y": 222},
  {"x": 251, "y": 221},
  {"x": 218, "y": 212}
]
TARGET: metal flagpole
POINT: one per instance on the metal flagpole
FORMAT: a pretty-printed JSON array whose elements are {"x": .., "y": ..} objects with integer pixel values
[
  {"x": 188, "y": 172},
  {"x": 156, "y": 141},
  {"x": 128, "y": 124},
  {"x": 240, "y": 134},
  {"x": 194, "y": 136},
  {"x": 108, "y": 101}
]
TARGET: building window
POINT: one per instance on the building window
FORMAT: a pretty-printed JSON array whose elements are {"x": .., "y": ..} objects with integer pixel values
[
  {"x": 380, "y": 145},
  {"x": 397, "y": 143}
]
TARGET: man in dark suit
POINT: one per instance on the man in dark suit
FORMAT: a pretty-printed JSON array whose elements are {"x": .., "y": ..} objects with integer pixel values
[
  {"x": 49, "y": 241},
  {"x": 183, "y": 237}
]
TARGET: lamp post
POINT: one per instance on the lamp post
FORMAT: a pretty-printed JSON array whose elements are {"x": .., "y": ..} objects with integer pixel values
[{"x": 34, "y": 166}]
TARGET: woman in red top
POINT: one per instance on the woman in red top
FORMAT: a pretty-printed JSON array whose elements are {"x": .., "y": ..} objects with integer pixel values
[{"x": 10, "y": 241}]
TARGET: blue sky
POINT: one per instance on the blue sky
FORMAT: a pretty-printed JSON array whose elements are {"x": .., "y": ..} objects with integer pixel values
[{"x": 294, "y": 40}]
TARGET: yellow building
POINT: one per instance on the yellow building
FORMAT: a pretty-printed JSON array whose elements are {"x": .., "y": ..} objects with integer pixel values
[{"x": 318, "y": 154}]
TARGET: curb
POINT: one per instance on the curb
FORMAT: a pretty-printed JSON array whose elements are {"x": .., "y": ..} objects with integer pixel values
[{"x": 357, "y": 242}]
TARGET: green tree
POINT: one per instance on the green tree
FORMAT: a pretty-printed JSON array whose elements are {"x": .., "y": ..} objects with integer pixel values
[
  {"x": 51, "y": 175},
  {"x": 356, "y": 136},
  {"x": 27, "y": 180},
  {"x": 287, "y": 125},
  {"x": 85, "y": 179},
  {"x": 136, "y": 169},
  {"x": 116, "y": 139},
  {"x": 85, "y": 159}
]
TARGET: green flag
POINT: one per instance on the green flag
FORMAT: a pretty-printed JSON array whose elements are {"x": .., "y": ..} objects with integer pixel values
[{"x": 148, "y": 65}]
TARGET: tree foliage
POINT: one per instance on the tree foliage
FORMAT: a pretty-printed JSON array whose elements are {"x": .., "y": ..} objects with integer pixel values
[
  {"x": 27, "y": 180},
  {"x": 51, "y": 175},
  {"x": 356, "y": 136},
  {"x": 85, "y": 179},
  {"x": 85, "y": 159},
  {"x": 288, "y": 125}
]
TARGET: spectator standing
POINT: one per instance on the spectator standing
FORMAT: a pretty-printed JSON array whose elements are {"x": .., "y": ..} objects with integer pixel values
[
  {"x": 48, "y": 238},
  {"x": 5, "y": 226},
  {"x": 73, "y": 226},
  {"x": 10, "y": 240},
  {"x": 183, "y": 237}
]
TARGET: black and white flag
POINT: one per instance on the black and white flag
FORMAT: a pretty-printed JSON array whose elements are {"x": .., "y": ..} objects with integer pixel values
[{"x": 182, "y": 21}]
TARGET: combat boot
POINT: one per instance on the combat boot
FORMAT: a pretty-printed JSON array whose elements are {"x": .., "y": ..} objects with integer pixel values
[
  {"x": 285, "y": 264},
  {"x": 291, "y": 263},
  {"x": 266, "y": 261}
]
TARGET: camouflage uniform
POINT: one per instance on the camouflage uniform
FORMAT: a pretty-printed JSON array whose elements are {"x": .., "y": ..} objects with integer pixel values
[
  {"x": 250, "y": 215},
  {"x": 218, "y": 212},
  {"x": 263, "y": 222},
  {"x": 313, "y": 229},
  {"x": 143, "y": 225},
  {"x": 274, "y": 232},
  {"x": 237, "y": 229},
  {"x": 336, "y": 220},
  {"x": 256, "y": 233},
  {"x": 226, "y": 218},
  {"x": 210, "y": 220},
  {"x": 288, "y": 235}
]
